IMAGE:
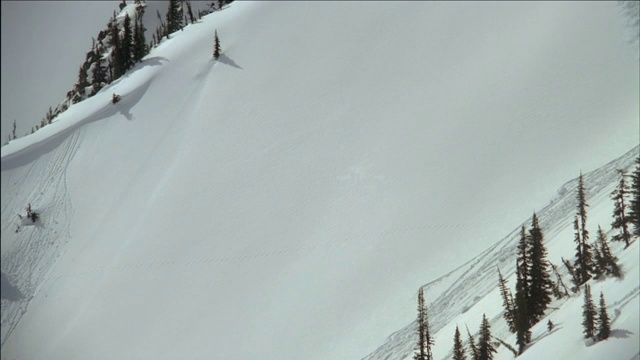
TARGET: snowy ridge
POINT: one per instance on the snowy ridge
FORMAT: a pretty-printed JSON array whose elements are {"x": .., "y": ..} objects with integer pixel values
[{"x": 465, "y": 287}]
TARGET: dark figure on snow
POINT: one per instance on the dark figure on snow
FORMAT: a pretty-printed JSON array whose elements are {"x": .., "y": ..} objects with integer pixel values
[{"x": 115, "y": 98}]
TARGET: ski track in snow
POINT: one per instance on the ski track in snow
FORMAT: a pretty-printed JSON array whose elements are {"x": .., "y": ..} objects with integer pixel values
[
  {"x": 31, "y": 256},
  {"x": 472, "y": 282}
]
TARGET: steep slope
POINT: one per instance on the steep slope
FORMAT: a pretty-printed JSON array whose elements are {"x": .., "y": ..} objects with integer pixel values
[
  {"x": 289, "y": 198},
  {"x": 462, "y": 296}
]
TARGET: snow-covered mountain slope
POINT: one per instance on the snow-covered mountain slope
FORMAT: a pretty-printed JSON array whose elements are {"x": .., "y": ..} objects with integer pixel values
[
  {"x": 290, "y": 198},
  {"x": 462, "y": 296}
]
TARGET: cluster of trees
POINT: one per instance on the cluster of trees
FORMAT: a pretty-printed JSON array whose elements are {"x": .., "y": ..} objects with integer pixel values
[
  {"x": 116, "y": 49},
  {"x": 535, "y": 288},
  {"x": 121, "y": 45},
  {"x": 481, "y": 349}
]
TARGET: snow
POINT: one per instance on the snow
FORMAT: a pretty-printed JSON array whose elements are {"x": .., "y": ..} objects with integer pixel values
[{"x": 291, "y": 198}]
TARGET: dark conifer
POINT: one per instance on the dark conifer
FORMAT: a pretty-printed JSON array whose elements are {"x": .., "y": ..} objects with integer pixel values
[
  {"x": 126, "y": 46},
  {"x": 190, "y": 12},
  {"x": 561, "y": 289},
  {"x": 216, "y": 46},
  {"x": 540, "y": 283},
  {"x": 473, "y": 349},
  {"x": 458, "y": 347},
  {"x": 118, "y": 66},
  {"x": 589, "y": 314},
  {"x": 485, "y": 346},
  {"x": 507, "y": 302},
  {"x": 174, "y": 16},
  {"x": 621, "y": 219},
  {"x": 634, "y": 203},
  {"x": 425, "y": 341},
  {"x": 522, "y": 324},
  {"x": 584, "y": 258},
  {"x": 604, "y": 324},
  {"x": 608, "y": 262},
  {"x": 140, "y": 48}
]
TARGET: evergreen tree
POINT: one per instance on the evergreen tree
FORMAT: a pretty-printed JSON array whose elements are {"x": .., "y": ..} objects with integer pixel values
[
  {"x": 458, "y": 347},
  {"x": 634, "y": 203},
  {"x": 473, "y": 349},
  {"x": 540, "y": 284},
  {"x": 140, "y": 48},
  {"x": 13, "y": 132},
  {"x": 604, "y": 324},
  {"x": 425, "y": 341},
  {"x": 575, "y": 280},
  {"x": 562, "y": 290},
  {"x": 216, "y": 46},
  {"x": 99, "y": 70},
  {"x": 621, "y": 219},
  {"x": 584, "y": 259},
  {"x": 582, "y": 209},
  {"x": 507, "y": 302},
  {"x": 608, "y": 263},
  {"x": 192, "y": 19},
  {"x": 174, "y": 16},
  {"x": 126, "y": 46},
  {"x": 485, "y": 347},
  {"x": 118, "y": 66},
  {"x": 522, "y": 324},
  {"x": 589, "y": 314}
]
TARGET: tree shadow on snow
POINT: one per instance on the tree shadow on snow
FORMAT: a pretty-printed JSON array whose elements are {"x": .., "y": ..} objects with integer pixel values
[
  {"x": 620, "y": 333},
  {"x": 46, "y": 145},
  {"x": 8, "y": 291},
  {"x": 228, "y": 61}
]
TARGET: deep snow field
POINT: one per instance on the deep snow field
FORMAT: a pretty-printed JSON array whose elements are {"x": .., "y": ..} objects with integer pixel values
[{"x": 289, "y": 199}]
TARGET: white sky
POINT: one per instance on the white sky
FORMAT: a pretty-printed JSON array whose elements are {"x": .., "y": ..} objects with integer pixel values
[{"x": 43, "y": 45}]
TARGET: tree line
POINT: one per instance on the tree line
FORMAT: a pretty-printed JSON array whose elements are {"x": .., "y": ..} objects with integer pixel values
[{"x": 538, "y": 281}]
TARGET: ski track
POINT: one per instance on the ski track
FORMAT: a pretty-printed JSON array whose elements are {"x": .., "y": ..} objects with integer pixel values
[
  {"x": 477, "y": 278},
  {"x": 33, "y": 253}
]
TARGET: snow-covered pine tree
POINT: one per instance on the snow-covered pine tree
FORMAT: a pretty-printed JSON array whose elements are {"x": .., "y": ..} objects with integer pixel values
[
  {"x": 507, "y": 302},
  {"x": 216, "y": 46},
  {"x": 458, "y": 346},
  {"x": 604, "y": 324},
  {"x": 589, "y": 314},
  {"x": 486, "y": 350},
  {"x": 540, "y": 280},
  {"x": 634, "y": 203},
  {"x": 621, "y": 219}
]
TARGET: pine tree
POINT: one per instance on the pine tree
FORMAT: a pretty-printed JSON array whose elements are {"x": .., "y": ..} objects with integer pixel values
[
  {"x": 507, "y": 302},
  {"x": 118, "y": 66},
  {"x": 13, "y": 132},
  {"x": 621, "y": 219},
  {"x": 584, "y": 259},
  {"x": 562, "y": 290},
  {"x": 604, "y": 324},
  {"x": 634, "y": 203},
  {"x": 485, "y": 347},
  {"x": 575, "y": 280},
  {"x": 582, "y": 209},
  {"x": 99, "y": 70},
  {"x": 589, "y": 314},
  {"x": 190, "y": 12},
  {"x": 458, "y": 347},
  {"x": 425, "y": 341},
  {"x": 541, "y": 284},
  {"x": 126, "y": 47},
  {"x": 216, "y": 46},
  {"x": 140, "y": 48},
  {"x": 174, "y": 16},
  {"x": 522, "y": 324},
  {"x": 473, "y": 349},
  {"x": 608, "y": 262}
]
